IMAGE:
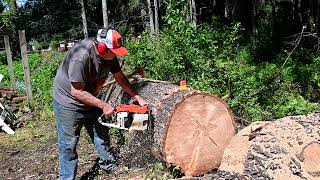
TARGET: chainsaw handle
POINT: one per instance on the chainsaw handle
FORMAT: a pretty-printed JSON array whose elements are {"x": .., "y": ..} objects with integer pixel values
[
  {"x": 108, "y": 109},
  {"x": 103, "y": 117}
]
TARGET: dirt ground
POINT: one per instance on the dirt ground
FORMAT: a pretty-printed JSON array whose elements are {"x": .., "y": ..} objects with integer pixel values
[{"x": 31, "y": 153}]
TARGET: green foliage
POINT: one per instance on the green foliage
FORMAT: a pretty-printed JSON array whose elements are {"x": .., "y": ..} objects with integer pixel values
[
  {"x": 3, "y": 57},
  {"x": 54, "y": 45},
  {"x": 158, "y": 171},
  {"x": 42, "y": 69},
  {"x": 34, "y": 43},
  {"x": 211, "y": 59},
  {"x": 43, "y": 75}
]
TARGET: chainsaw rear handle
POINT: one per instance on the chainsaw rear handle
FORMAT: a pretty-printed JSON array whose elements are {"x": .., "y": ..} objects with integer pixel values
[{"x": 103, "y": 117}]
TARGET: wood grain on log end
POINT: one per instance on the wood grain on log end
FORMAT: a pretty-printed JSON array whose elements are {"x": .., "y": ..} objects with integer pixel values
[
  {"x": 190, "y": 129},
  {"x": 311, "y": 156},
  {"x": 200, "y": 128}
]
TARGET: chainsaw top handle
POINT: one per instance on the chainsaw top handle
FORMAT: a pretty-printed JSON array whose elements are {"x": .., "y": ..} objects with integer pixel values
[{"x": 132, "y": 108}]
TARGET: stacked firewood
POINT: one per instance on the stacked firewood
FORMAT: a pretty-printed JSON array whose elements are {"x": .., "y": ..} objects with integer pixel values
[
  {"x": 10, "y": 96},
  {"x": 10, "y": 99}
]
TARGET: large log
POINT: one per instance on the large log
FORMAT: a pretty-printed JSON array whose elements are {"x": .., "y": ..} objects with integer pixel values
[{"x": 190, "y": 128}]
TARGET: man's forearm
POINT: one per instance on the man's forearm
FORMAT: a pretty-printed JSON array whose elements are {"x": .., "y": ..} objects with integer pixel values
[{"x": 88, "y": 99}]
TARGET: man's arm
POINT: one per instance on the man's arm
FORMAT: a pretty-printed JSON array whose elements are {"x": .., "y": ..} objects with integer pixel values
[
  {"x": 77, "y": 90},
  {"x": 124, "y": 83}
]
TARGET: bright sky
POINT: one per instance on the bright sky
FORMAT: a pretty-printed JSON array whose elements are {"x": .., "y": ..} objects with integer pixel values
[{"x": 20, "y": 2}]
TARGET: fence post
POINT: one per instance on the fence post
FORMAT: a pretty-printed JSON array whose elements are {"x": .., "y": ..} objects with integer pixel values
[
  {"x": 9, "y": 60},
  {"x": 24, "y": 56}
]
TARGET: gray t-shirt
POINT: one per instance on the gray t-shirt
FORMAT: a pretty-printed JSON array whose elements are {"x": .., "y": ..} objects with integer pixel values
[{"x": 81, "y": 64}]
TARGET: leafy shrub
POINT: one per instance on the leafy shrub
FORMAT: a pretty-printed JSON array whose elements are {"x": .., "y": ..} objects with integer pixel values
[
  {"x": 34, "y": 43},
  {"x": 42, "y": 69},
  {"x": 54, "y": 45},
  {"x": 3, "y": 57},
  {"x": 212, "y": 59},
  {"x": 43, "y": 75}
]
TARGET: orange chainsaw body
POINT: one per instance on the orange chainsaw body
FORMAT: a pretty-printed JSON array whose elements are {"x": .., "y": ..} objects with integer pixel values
[
  {"x": 132, "y": 108},
  {"x": 128, "y": 117}
]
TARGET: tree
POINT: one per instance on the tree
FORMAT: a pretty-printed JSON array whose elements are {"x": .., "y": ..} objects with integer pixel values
[
  {"x": 156, "y": 17},
  {"x": 151, "y": 19},
  {"x": 193, "y": 12},
  {"x": 84, "y": 19},
  {"x": 7, "y": 16},
  {"x": 105, "y": 13}
]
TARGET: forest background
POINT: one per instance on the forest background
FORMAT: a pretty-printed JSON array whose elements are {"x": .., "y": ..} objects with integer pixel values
[{"x": 262, "y": 57}]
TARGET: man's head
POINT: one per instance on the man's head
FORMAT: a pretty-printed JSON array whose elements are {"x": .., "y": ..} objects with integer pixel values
[{"x": 110, "y": 44}]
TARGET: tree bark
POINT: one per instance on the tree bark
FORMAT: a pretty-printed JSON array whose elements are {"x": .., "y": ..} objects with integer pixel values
[
  {"x": 9, "y": 60},
  {"x": 84, "y": 19},
  {"x": 219, "y": 8},
  {"x": 316, "y": 16},
  {"x": 254, "y": 30},
  {"x": 193, "y": 12},
  {"x": 190, "y": 129},
  {"x": 151, "y": 18},
  {"x": 25, "y": 63},
  {"x": 156, "y": 17},
  {"x": 105, "y": 13}
]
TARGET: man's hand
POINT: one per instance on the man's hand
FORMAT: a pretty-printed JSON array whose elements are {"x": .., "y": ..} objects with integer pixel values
[
  {"x": 140, "y": 100},
  {"x": 108, "y": 110}
]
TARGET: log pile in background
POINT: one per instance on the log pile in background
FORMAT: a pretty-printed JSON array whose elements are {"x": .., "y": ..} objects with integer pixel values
[
  {"x": 9, "y": 96},
  {"x": 12, "y": 101},
  {"x": 190, "y": 128}
]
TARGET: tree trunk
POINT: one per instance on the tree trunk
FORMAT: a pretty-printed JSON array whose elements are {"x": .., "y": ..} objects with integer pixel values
[
  {"x": 242, "y": 11},
  {"x": 190, "y": 129},
  {"x": 84, "y": 19},
  {"x": 193, "y": 12},
  {"x": 254, "y": 30},
  {"x": 156, "y": 17},
  {"x": 316, "y": 16},
  {"x": 151, "y": 18},
  {"x": 219, "y": 8},
  {"x": 25, "y": 63},
  {"x": 105, "y": 13},
  {"x": 9, "y": 60}
]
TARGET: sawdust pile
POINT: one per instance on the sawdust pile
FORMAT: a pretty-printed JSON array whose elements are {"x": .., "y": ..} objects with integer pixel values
[{"x": 288, "y": 148}]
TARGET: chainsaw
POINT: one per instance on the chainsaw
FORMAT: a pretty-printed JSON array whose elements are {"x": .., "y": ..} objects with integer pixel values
[{"x": 128, "y": 117}]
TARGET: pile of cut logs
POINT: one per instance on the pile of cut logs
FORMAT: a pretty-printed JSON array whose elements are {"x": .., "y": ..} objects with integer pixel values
[
  {"x": 10, "y": 96},
  {"x": 12, "y": 101}
]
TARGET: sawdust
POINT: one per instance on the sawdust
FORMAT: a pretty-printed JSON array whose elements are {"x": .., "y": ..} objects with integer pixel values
[{"x": 275, "y": 151}]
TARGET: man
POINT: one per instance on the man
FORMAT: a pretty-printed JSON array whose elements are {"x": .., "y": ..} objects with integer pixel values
[{"x": 79, "y": 78}]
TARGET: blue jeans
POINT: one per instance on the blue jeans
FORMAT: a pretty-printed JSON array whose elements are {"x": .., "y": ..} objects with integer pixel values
[{"x": 69, "y": 123}]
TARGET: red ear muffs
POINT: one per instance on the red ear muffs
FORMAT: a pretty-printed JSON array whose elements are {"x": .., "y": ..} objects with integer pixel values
[{"x": 102, "y": 48}]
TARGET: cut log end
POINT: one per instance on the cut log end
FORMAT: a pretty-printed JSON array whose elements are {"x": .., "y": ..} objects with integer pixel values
[
  {"x": 190, "y": 129},
  {"x": 198, "y": 132},
  {"x": 311, "y": 157}
]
